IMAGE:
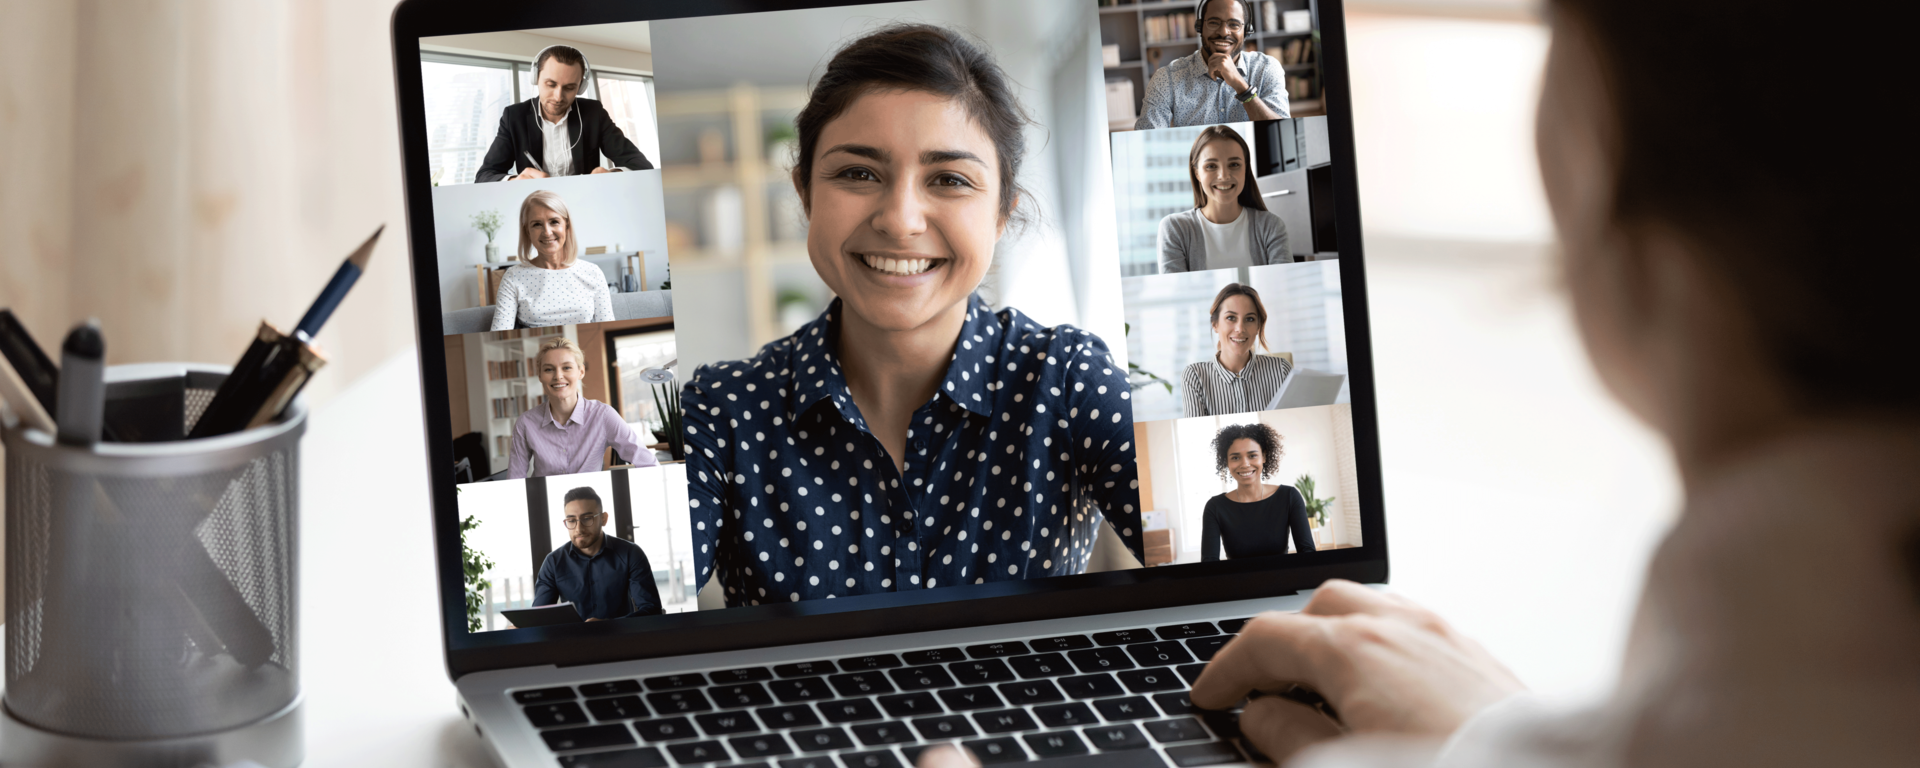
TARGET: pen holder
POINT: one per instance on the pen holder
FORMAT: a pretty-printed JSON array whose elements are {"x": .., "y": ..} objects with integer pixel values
[{"x": 151, "y": 586}]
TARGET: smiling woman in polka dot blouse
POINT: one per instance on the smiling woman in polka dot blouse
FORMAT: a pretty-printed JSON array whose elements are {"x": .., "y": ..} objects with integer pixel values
[{"x": 909, "y": 437}]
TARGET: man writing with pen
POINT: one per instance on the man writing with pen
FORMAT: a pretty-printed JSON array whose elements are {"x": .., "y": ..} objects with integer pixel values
[
  {"x": 605, "y": 577},
  {"x": 557, "y": 133},
  {"x": 1219, "y": 83}
]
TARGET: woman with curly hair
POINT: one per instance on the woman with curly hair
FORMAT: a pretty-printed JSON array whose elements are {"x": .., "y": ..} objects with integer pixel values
[{"x": 1253, "y": 519}]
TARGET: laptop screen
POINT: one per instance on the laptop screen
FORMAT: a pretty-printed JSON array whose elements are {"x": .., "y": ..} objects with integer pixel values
[{"x": 824, "y": 310}]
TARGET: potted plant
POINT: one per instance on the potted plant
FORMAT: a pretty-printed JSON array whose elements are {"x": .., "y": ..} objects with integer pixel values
[
  {"x": 1316, "y": 508},
  {"x": 666, "y": 399},
  {"x": 475, "y": 567},
  {"x": 489, "y": 224}
]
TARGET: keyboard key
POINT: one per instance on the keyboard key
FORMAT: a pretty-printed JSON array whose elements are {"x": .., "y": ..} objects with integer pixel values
[
  {"x": 1174, "y": 703},
  {"x": 1108, "y": 738},
  {"x": 982, "y": 671},
  {"x": 1101, "y": 659},
  {"x": 935, "y": 656},
  {"x": 698, "y": 752},
  {"x": 544, "y": 695},
  {"x": 850, "y": 710},
  {"x": 827, "y": 738},
  {"x": 1225, "y": 725},
  {"x": 801, "y": 689},
  {"x": 666, "y": 729},
  {"x": 921, "y": 678},
  {"x": 742, "y": 675},
  {"x": 722, "y": 723},
  {"x": 879, "y": 758},
  {"x": 1165, "y": 653},
  {"x": 876, "y": 734},
  {"x": 1005, "y": 721},
  {"x": 679, "y": 702},
  {"x": 589, "y": 737},
  {"x": 1030, "y": 692},
  {"x": 1065, "y": 715},
  {"x": 790, "y": 716},
  {"x": 1204, "y": 648},
  {"x": 1056, "y": 744},
  {"x": 1184, "y": 631},
  {"x": 1183, "y": 729},
  {"x": 1062, "y": 643},
  {"x": 644, "y": 757},
  {"x": 618, "y": 708},
  {"x": 739, "y": 695},
  {"x": 1128, "y": 708},
  {"x": 1151, "y": 680},
  {"x": 805, "y": 669},
  {"x": 1091, "y": 686},
  {"x": 1124, "y": 637},
  {"x": 611, "y": 688},
  {"x": 555, "y": 715},
  {"x": 1004, "y": 749},
  {"x": 1041, "y": 665},
  {"x": 1215, "y": 753},
  {"x": 943, "y": 727},
  {"x": 910, "y": 704},
  {"x": 672, "y": 682},
  {"x": 1190, "y": 672},
  {"x": 811, "y": 761},
  {"x": 992, "y": 650},
  {"x": 875, "y": 661},
  {"x": 968, "y": 699},
  {"x": 1232, "y": 626},
  {"x": 762, "y": 745},
  {"x": 861, "y": 684}
]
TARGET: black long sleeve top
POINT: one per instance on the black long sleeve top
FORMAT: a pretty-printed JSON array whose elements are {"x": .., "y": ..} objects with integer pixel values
[{"x": 1254, "y": 529}]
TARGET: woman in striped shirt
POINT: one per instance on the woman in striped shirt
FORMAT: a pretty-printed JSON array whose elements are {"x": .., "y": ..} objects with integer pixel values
[{"x": 1236, "y": 380}]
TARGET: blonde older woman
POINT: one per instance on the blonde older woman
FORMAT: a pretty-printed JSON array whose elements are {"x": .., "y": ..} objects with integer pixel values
[
  {"x": 569, "y": 434},
  {"x": 550, "y": 286}
]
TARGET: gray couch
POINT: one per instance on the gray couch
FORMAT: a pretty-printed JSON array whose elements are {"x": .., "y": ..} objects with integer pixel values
[{"x": 626, "y": 306}]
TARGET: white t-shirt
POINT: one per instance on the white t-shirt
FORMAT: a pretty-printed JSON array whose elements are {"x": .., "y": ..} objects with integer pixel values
[
  {"x": 542, "y": 298},
  {"x": 1229, "y": 245},
  {"x": 554, "y": 143}
]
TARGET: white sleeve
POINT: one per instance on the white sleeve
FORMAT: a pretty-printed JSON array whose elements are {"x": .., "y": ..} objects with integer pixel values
[
  {"x": 506, "y": 302},
  {"x": 602, "y": 299}
]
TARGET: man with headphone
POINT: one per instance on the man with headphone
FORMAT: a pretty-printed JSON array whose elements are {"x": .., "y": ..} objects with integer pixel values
[
  {"x": 1219, "y": 83},
  {"x": 557, "y": 133}
]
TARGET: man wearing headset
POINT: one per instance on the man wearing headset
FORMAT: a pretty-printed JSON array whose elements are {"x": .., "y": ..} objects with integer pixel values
[
  {"x": 565, "y": 135},
  {"x": 1219, "y": 83}
]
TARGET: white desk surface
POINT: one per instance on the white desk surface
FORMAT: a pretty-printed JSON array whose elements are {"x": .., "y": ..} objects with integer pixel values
[{"x": 1523, "y": 505}]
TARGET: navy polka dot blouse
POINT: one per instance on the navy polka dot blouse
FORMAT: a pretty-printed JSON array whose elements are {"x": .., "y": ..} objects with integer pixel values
[{"x": 1010, "y": 468}]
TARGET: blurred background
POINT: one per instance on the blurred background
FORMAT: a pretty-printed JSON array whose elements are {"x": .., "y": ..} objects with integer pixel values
[{"x": 183, "y": 170}]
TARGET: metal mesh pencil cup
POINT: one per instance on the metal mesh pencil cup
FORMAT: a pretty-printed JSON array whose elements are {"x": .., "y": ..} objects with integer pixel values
[{"x": 151, "y": 586}]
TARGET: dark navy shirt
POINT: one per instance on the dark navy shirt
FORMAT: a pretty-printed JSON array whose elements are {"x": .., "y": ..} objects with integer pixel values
[
  {"x": 1010, "y": 467},
  {"x": 614, "y": 583}
]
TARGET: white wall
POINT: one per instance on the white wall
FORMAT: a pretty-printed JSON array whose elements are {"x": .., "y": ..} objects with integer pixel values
[{"x": 607, "y": 208}]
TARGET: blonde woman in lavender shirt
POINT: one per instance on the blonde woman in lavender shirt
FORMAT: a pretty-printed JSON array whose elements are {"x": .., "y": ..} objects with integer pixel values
[{"x": 568, "y": 434}]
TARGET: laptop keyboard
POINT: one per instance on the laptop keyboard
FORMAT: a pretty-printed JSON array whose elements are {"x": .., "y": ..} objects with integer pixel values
[{"x": 1107, "y": 699}]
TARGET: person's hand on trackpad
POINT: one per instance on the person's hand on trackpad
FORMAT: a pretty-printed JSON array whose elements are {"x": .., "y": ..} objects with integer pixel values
[
  {"x": 946, "y": 756},
  {"x": 1384, "y": 665}
]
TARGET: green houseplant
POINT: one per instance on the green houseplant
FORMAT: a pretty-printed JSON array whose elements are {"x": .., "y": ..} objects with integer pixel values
[
  {"x": 666, "y": 400},
  {"x": 474, "y": 566},
  {"x": 1316, "y": 508}
]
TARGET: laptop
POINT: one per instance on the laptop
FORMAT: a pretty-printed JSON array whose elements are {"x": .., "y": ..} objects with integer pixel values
[{"x": 803, "y": 387}]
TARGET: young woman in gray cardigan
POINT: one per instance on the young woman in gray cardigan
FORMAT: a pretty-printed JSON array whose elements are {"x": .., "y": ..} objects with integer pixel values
[{"x": 1229, "y": 225}]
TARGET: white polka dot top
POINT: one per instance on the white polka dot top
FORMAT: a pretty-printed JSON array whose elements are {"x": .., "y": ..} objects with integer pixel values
[
  {"x": 540, "y": 298},
  {"x": 1010, "y": 468}
]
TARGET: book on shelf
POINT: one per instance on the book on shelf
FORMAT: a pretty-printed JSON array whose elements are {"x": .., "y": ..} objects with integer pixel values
[
  {"x": 1169, "y": 26},
  {"x": 1301, "y": 88},
  {"x": 1293, "y": 53},
  {"x": 511, "y": 406},
  {"x": 1269, "y": 16}
]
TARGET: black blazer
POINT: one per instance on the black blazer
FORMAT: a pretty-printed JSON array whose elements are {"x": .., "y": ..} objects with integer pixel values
[{"x": 589, "y": 125}]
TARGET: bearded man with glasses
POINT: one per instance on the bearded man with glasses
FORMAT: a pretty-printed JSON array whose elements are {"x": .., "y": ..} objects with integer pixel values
[
  {"x": 1219, "y": 83},
  {"x": 605, "y": 577}
]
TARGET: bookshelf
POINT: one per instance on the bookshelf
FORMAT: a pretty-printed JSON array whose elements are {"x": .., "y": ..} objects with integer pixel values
[
  {"x": 1151, "y": 35},
  {"x": 502, "y": 382}
]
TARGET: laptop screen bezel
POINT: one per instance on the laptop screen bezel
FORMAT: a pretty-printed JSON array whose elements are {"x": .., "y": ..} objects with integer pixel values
[{"x": 817, "y": 621}]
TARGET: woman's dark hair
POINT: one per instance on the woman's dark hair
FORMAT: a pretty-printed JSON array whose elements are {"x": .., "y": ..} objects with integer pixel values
[
  {"x": 1236, "y": 289},
  {"x": 1272, "y": 447},
  {"x": 1249, "y": 193},
  {"x": 1791, "y": 181},
  {"x": 919, "y": 57}
]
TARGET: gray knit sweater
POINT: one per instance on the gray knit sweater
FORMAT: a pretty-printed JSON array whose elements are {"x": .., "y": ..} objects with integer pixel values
[{"x": 1183, "y": 244}]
